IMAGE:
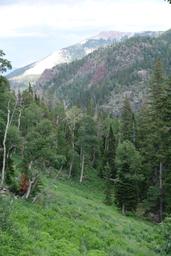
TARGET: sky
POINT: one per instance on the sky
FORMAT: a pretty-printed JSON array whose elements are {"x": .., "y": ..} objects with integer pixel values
[{"x": 32, "y": 29}]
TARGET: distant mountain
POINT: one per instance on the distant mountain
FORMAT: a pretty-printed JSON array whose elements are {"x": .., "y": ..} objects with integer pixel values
[
  {"x": 31, "y": 73},
  {"x": 105, "y": 76}
]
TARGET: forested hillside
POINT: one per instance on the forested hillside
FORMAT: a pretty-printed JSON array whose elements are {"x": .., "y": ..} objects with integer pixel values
[
  {"x": 106, "y": 76},
  {"x": 76, "y": 180}
]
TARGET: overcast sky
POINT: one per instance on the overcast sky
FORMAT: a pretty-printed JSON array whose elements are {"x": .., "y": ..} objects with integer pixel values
[{"x": 31, "y": 29}]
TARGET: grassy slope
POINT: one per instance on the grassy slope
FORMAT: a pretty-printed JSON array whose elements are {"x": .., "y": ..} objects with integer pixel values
[{"x": 70, "y": 219}]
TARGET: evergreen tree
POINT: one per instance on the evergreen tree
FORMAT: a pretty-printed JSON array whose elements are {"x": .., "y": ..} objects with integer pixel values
[
  {"x": 111, "y": 153},
  {"x": 109, "y": 131},
  {"x": 156, "y": 109},
  {"x": 166, "y": 144},
  {"x": 145, "y": 146},
  {"x": 129, "y": 177},
  {"x": 154, "y": 143},
  {"x": 127, "y": 122}
]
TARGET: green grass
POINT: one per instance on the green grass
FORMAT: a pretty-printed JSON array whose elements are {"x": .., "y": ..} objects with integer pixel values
[{"x": 70, "y": 219}]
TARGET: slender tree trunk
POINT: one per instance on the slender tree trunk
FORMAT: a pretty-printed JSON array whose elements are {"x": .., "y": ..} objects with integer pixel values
[
  {"x": 94, "y": 157},
  {"x": 4, "y": 147},
  {"x": 12, "y": 115},
  {"x": 134, "y": 131},
  {"x": 82, "y": 167},
  {"x": 96, "y": 113},
  {"x": 123, "y": 209},
  {"x": 29, "y": 189},
  {"x": 73, "y": 148},
  {"x": 70, "y": 168},
  {"x": 19, "y": 119},
  {"x": 161, "y": 191},
  {"x": 31, "y": 184},
  {"x": 106, "y": 143}
]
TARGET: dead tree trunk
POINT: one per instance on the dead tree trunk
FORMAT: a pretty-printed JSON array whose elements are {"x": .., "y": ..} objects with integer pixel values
[
  {"x": 4, "y": 147},
  {"x": 82, "y": 167}
]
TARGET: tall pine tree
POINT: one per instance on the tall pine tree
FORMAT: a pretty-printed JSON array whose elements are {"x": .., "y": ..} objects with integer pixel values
[
  {"x": 127, "y": 122},
  {"x": 129, "y": 177}
]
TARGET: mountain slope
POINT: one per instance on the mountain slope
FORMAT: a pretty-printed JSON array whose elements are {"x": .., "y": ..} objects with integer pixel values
[
  {"x": 69, "y": 219},
  {"x": 108, "y": 74},
  {"x": 30, "y": 73},
  {"x": 33, "y": 71}
]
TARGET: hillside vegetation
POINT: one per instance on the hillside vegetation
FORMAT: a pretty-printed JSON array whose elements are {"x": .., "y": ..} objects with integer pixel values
[{"x": 69, "y": 219}]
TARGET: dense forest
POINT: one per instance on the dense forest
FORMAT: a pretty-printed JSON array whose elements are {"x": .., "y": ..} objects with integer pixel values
[{"x": 129, "y": 154}]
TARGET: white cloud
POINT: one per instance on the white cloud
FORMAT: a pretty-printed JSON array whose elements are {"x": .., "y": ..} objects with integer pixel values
[{"x": 18, "y": 18}]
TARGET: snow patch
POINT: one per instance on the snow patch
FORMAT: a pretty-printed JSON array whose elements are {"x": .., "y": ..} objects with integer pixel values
[{"x": 52, "y": 60}]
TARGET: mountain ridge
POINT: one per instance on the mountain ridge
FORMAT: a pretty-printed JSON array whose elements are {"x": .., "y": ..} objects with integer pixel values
[
  {"x": 21, "y": 77},
  {"x": 108, "y": 74}
]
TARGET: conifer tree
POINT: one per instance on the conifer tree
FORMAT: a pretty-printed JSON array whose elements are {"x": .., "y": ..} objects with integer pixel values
[
  {"x": 127, "y": 122},
  {"x": 144, "y": 145},
  {"x": 155, "y": 143},
  {"x": 109, "y": 140},
  {"x": 166, "y": 144},
  {"x": 156, "y": 109},
  {"x": 129, "y": 177},
  {"x": 110, "y": 152}
]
